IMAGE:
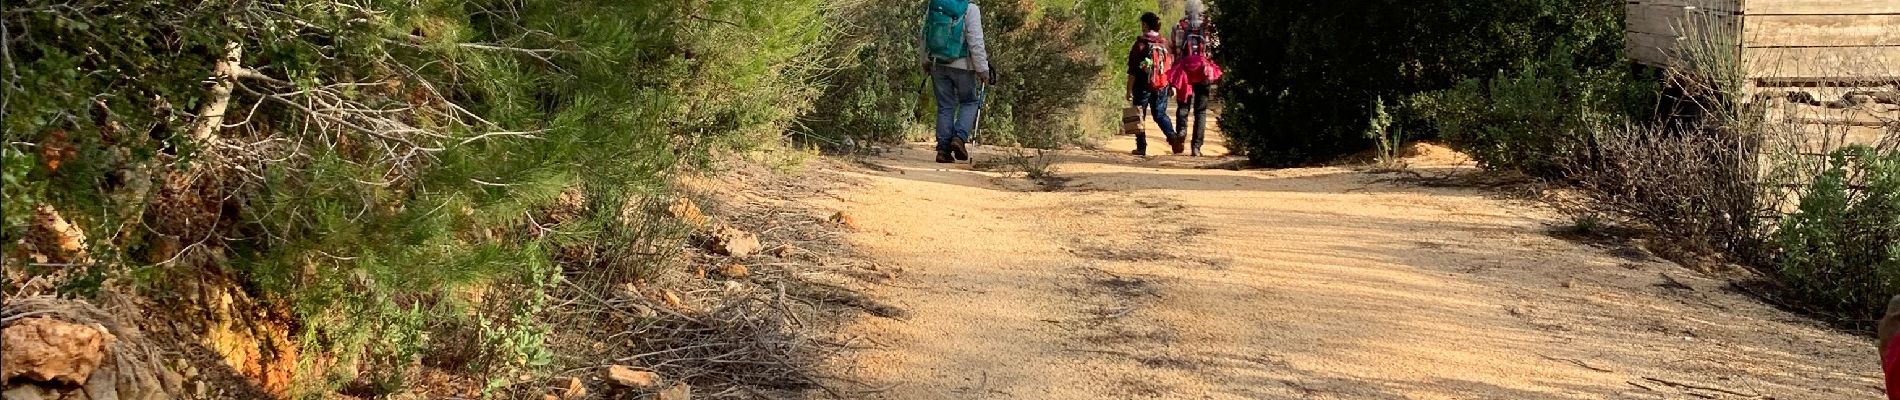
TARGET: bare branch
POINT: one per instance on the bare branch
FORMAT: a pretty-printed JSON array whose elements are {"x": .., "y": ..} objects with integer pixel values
[{"x": 211, "y": 114}]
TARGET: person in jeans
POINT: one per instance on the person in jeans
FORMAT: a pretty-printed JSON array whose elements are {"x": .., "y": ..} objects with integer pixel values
[
  {"x": 955, "y": 84},
  {"x": 1193, "y": 40},
  {"x": 1142, "y": 92}
]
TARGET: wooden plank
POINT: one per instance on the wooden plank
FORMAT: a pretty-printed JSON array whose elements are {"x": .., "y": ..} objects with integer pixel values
[
  {"x": 1676, "y": 20},
  {"x": 1832, "y": 83},
  {"x": 1822, "y": 7},
  {"x": 1859, "y": 63},
  {"x": 1722, "y": 6},
  {"x": 1822, "y": 30},
  {"x": 1651, "y": 49}
]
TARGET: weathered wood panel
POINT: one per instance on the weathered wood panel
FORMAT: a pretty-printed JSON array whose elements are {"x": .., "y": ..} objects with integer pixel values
[
  {"x": 1677, "y": 20},
  {"x": 1822, "y": 7},
  {"x": 1652, "y": 49},
  {"x": 1725, "y": 6},
  {"x": 1861, "y": 63},
  {"x": 1822, "y": 30}
]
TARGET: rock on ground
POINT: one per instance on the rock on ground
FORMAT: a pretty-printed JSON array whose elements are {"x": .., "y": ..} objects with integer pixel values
[
  {"x": 730, "y": 241},
  {"x": 628, "y": 377},
  {"x": 49, "y": 350},
  {"x": 679, "y": 391}
]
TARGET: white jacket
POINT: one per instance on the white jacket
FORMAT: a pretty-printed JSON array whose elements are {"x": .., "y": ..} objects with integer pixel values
[{"x": 979, "y": 59}]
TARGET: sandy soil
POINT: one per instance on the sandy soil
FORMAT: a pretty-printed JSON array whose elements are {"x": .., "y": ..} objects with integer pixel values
[{"x": 1151, "y": 278}]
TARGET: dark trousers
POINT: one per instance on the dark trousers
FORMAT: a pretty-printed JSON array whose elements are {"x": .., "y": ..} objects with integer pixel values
[{"x": 1198, "y": 102}]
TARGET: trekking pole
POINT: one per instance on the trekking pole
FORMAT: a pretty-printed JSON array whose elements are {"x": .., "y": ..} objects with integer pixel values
[
  {"x": 976, "y": 127},
  {"x": 983, "y": 100}
]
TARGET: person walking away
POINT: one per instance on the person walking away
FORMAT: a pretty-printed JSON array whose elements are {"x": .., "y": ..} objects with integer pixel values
[
  {"x": 1149, "y": 61},
  {"x": 956, "y": 59},
  {"x": 1194, "y": 40}
]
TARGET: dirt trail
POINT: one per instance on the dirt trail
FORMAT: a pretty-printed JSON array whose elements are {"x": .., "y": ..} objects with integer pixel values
[{"x": 1155, "y": 279}]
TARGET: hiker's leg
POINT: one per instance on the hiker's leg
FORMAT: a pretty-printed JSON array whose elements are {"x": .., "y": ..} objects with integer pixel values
[
  {"x": 944, "y": 92},
  {"x": 1201, "y": 93},
  {"x": 1142, "y": 99},
  {"x": 1159, "y": 100},
  {"x": 968, "y": 101},
  {"x": 1181, "y": 113}
]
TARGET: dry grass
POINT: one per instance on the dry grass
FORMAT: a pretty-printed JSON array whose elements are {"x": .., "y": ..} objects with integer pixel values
[{"x": 759, "y": 335}]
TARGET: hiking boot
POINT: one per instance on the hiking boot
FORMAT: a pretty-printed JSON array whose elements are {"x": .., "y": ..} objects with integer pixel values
[
  {"x": 1139, "y": 153},
  {"x": 960, "y": 150},
  {"x": 1176, "y": 144},
  {"x": 1197, "y": 152},
  {"x": 944, "y": 157}
]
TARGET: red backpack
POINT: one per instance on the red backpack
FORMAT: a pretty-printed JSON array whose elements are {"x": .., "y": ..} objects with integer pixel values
[
  {"x": 1159, "y": 62},
  {"x": 1194, "y": 57}
]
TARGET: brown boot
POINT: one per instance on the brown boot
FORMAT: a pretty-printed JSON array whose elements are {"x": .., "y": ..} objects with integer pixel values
[{"x": 1175, "y": 144}]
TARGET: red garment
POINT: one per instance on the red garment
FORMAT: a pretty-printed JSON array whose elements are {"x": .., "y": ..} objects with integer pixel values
[
  {"x": 1890, "y": 363},
  {"x": 1183, "y": 80}
]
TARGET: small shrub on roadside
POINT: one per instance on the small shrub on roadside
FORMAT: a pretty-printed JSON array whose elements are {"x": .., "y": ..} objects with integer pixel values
[
  {"x": 1532, "y": 119},
  {"x": 1841, "y": 251},
  {"x": 1696, "y": 186}
]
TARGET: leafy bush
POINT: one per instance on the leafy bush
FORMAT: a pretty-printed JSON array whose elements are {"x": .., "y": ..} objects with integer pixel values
[
  {"x": 1300, "y": 73},
  {"x": 1053, "y": 61},
  {"x": 1841, "y": 251},
  {"x": 876, "y": 92},
  {"x": 1532, "y": 120},
  {"x": 386, "y": 171}
]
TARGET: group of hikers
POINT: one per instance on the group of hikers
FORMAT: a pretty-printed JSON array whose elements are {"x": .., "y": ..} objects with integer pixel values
[{"x": 1179, "y": 66}]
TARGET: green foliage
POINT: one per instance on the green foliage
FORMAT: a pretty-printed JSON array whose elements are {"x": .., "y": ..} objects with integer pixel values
[
  {"x": 1385, "y": 139},
  {"x": 1528, "y": 120},
  {"x": 877, "y": 91},
  {"x": 1300, "y": 72},
  {"x": 482, "y": 124},
  {"x": 1045, "y": 54},
  {"x": 1841, "y": 251}
]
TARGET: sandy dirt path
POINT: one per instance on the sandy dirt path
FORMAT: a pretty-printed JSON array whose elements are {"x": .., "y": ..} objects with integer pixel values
[{"x": 1151, "y": 278}]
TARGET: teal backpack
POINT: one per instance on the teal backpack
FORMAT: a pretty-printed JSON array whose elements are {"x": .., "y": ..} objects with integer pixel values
[{"x": 943, "y": 30}]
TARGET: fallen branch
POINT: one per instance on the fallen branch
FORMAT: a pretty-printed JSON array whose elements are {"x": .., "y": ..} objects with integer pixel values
[
  {"x": 1700, "y": 387},
  {"x": 1579, "y": 363}
]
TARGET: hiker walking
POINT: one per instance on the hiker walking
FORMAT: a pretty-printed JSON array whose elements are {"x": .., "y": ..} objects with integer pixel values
[
  {"x": 1195, "y": 72},
  {"x": 957, "y": 60},
  {"x": 1149, "y": 61}
]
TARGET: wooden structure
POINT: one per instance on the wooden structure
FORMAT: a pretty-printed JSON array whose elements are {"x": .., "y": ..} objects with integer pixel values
[
  {"x": 1779, "y": 43},
  {"x": 1825, "y": 72},
  {"x": 1830, "y": 53}
]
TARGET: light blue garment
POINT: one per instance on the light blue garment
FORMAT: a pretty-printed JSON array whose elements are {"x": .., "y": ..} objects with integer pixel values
[{"x": 957, "y": 103}]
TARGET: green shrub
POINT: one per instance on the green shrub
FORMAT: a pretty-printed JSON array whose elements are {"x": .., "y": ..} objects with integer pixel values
[
  {"x": 1531, "y": 120},
  {"x": 394, "y": 169},
  {"x": 1841, "y": 251},
  {"x": 1054, "y": 60}
]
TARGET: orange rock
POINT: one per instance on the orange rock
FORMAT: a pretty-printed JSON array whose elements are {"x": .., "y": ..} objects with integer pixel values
[
  {"x": 734, "y": 271},
  {"x": 844, "y": 220},
  {"x": 49, "y": 350},
  {"x": 687, "y": 212},
  {"x": 51, "y": 233},
  {"x": 730, "y": 241},
  {"x": 679, "y": 391},
  {"x": 626, "y": 376},
  {"x": 672, "y": 299},
  {"x": 575, "y": 389}
]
